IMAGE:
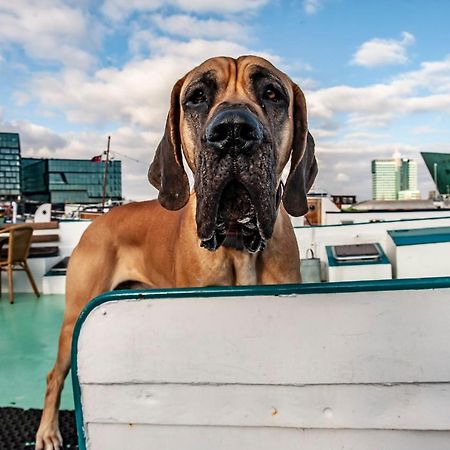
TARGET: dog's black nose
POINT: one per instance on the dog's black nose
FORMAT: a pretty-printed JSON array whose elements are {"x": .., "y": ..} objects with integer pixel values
[{"x": 234, "y": 129}]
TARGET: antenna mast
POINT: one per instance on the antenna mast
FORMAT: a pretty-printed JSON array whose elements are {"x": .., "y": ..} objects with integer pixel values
[{"x": 105, "y": 174}]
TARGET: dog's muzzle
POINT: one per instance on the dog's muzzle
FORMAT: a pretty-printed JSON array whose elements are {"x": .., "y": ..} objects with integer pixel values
[
  {"x": 234, "y": 130},
  {"x": 235, "y": 182}
]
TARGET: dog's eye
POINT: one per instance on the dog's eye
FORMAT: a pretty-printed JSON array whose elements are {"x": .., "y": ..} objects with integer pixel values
[
  {"x": 272, "y": 94},
  {"x": 197, "y": 97}
]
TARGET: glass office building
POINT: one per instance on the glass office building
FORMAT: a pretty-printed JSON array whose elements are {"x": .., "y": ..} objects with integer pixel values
[
  {"x": 394, "y": 179},
  {"x": 9, "y": 166},
  {"x": 385, "y": 184},
  {"x": 69, "y": 180}
]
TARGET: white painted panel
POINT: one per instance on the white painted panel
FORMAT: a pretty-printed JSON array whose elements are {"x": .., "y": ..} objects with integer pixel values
[
  {"x": 38, "y": 268},
  {"x": 371, "y": 337},
  {"x": 333, "y": 218},
  {"x": 54, "y": 284},
  {"x": 70, "y": 232},
  {"x": 140, "y": 437},
  {"x": 358, "y": 272},
  {"x": 407, "y": 406},
  {"x": 317, "y": 238},
  {"x": 425, "y": 260}
]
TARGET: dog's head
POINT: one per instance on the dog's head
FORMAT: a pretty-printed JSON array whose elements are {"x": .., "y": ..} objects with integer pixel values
[{"x": 237, "y": 122}]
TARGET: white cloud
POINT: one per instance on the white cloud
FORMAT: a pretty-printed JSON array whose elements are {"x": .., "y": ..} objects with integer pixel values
[
  {"x": 192, "y": 27},
  {"x": 119, "y": 10},
  {"x": 345, "y": 163},
  {"x": 312, "y": 6},
  {"x": 35, "y": 138},
  {"x": 380, "y": 52},
  {"x": 426, "y": 90},
  {"x": 136, "y": 94},
  {"x": 228, "y": 6},
  {"x": 49, "y": 31},
  {"x": 342, "y": 177}
]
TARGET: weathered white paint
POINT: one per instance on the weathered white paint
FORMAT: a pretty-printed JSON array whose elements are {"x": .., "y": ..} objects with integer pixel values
[
  {"x": 311, "y": 372},
  {"x": 38, "y": 266},
  {"x": 54, "y": 284},
  {"x": 317, "y": 238},
  {"x": 337, "y": 218},
  {"x": 141, "y": 437},
  {"x": 70, "y": 232},
  {"x": 367, "y": 337},
  {"x": 357, "y": 272},
  {"x": 420, "y": 260},
  {"x": 407, "y": 406}
]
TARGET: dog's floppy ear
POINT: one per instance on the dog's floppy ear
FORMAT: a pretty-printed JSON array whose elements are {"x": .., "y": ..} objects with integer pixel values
[
  {"x": 303, "y": 169},
  {"x": 166, "y": 172}
]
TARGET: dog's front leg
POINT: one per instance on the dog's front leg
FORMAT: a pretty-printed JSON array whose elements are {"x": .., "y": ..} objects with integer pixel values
[{"x": 48, "y": 436}]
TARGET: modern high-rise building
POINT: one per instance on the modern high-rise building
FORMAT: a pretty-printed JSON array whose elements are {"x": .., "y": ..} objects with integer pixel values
[
  {"x": 9, "y": 166},
  {"x": 407, "y": 175},
  {"x": 384, "y": 179},
  {"x": 394, "y": 179},
  {"x": 69, "y": 180}
]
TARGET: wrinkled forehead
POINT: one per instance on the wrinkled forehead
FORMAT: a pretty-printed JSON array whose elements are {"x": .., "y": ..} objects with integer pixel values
[{"x": 225, "y": 71}]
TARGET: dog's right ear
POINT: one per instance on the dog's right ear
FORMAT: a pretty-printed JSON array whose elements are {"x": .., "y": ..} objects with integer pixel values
[{"x": 166, "y": 172}]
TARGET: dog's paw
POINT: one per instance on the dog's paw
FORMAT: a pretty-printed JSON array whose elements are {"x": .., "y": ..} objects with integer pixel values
[{"x": 48, "y": 438}]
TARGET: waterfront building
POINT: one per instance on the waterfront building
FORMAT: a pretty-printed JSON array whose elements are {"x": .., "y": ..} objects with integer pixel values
[
  {"x": 60, "y": 181},
  {"x": 9, "y": 166},
  {"x": 384, "y": 179},
  {"x": 394, "y": 179}
]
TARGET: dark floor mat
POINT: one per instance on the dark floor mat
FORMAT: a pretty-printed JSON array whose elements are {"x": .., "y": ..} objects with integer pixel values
[{"x": 18, "y": 428}]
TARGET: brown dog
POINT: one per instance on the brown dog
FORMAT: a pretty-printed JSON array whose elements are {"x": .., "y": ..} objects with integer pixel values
[{"x": 237, "y": 122}]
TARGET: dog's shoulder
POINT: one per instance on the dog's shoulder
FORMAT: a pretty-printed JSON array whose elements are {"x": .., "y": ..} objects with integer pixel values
[{"x": 131, "y": 218}]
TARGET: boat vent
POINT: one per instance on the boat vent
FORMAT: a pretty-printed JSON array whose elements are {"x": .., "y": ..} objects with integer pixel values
[{"x": 356, "y": 252}]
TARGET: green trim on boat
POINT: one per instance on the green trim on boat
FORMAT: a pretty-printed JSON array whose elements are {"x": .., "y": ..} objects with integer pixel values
[{"x": 417, "y": 236}]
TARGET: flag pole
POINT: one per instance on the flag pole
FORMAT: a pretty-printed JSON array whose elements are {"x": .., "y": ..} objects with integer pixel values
[{"x": 105, "y": 174}]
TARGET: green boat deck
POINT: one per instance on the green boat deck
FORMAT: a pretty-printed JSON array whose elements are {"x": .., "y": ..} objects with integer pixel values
[{"x": 29, "y": 331}]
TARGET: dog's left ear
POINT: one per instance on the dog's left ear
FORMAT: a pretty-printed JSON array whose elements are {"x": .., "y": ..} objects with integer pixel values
[
  {"x": 166, "y": 172},
  {"x": 303, "y": 169}
]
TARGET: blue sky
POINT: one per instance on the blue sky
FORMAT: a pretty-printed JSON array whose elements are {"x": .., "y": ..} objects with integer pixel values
[{"x": 376, "y": 75}]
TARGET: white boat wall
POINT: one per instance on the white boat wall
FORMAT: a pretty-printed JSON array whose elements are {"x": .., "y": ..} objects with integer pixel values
[
  {"x": 318, "y": 238},
  {"x": 360, "y": 365}
]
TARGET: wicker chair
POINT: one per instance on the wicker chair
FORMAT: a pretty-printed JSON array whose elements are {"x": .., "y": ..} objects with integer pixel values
[{"x": 18, "y": 238}]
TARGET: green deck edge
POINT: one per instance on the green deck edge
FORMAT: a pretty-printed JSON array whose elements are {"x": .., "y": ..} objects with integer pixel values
[{"x": 233, "y": 291}]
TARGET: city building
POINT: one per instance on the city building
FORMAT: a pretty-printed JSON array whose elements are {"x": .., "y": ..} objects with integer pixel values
[
  {"x": 438, "y": 165},
  {"x": 10, "y": 188},
  {"x": 384, "y": 179},
  {"x": 394, "y": 179},
  {"x": 60, "y": 181}
]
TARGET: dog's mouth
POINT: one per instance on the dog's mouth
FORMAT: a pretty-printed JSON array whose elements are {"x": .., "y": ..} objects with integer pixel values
[{"x": 236, "y": 223}]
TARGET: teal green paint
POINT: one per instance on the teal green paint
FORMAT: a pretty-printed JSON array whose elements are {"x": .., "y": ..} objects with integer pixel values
[
  {"x": 419, "y": 236},
  {"x": 333, "y": 262},
  {"x": 233, "y": 291},
  {"x": 368, "y": 222},
  {"x": 29, "y": 331}
]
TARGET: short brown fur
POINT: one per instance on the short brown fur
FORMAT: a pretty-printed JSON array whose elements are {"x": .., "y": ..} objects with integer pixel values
[{"x": 150, "y": 245}]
